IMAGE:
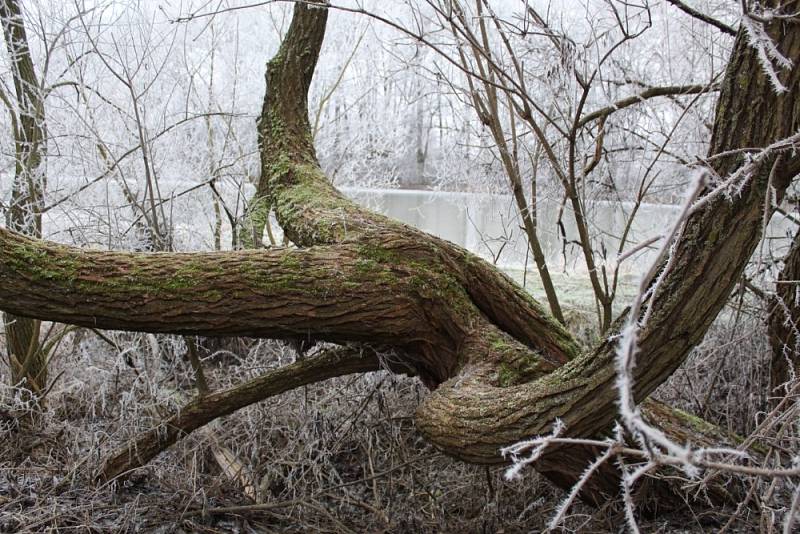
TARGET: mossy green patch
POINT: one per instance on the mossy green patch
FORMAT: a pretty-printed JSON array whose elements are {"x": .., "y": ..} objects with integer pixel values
[
  {"x": 516, "y": 363},
  {"x": 506, "y": 376},
  {"x": 377, "y": 254},
  {"x": 697, "y": 423},
  {"x": 40, "y": 263}
]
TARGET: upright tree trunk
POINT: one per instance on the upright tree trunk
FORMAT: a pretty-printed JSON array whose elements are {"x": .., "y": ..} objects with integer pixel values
[
  {"x": 784, "y": 321},
  {"x": 27, "y": 361}
]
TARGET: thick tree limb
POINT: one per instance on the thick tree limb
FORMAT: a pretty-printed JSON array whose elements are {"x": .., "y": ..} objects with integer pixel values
[
  {"x": 265, "y": 293},
  {"x": 336, "y": 293}
]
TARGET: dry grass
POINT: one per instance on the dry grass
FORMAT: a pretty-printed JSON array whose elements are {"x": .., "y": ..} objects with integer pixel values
[
  {"x": 726, "y": 381},
  {"x": 341, "y": 456},
  {"x": 336, "y": 457}
]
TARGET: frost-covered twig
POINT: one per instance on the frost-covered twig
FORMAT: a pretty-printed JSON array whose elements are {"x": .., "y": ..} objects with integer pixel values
[
  {"x": 628, "y": 342},
  {"x": 733, "y": 186},
  {"x": 766, "y": 50},
  {"x": 657, "y": 449},
  {"x": 538, "y": 444},
  {"x": 565, "y": 505},
  {"x": 656, "y": 446},
  {"x": 702, "y": 458},
  {"x": 627, "y": 498}
]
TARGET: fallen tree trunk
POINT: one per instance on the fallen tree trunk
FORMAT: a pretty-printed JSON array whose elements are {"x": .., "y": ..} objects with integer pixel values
[{"x": 502, "y": 369}]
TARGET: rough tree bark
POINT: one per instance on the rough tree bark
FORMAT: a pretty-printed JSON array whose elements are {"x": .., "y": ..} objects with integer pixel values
[
  {"x": 27, "y": 361},
  {"x": 784, "y": 318},
  {"x": 500, "y": 367}
]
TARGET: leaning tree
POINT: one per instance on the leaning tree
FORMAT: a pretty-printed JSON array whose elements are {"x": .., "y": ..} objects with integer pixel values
[{"x": 499, "y": 368}]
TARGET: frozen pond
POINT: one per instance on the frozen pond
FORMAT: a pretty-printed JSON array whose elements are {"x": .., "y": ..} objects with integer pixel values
[
  {"x": 486, "y": 224},
  {"x": 489, "y": 225}
]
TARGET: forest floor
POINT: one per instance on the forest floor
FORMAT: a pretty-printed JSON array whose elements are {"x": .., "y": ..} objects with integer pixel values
[{"x": 340, "y": 456}]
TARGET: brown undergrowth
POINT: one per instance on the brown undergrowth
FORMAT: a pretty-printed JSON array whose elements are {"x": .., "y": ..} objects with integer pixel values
[{"x": 340, "y": 456}]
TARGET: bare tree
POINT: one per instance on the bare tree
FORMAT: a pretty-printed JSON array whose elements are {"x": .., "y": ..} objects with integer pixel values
[
  {"x": 501, "y": 369},
  {"x": 536, "y": 112},
  {"x": 27, "y": 359}
]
